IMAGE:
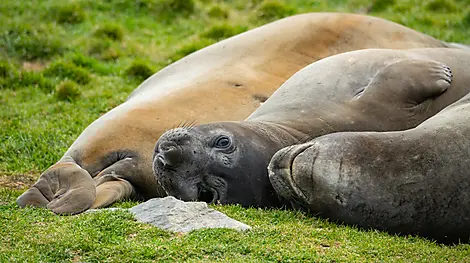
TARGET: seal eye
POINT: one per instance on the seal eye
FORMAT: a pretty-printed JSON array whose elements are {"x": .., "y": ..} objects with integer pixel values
[{"x": 223, "y": 142}]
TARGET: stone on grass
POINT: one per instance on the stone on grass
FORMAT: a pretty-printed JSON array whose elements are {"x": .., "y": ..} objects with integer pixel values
[{"x": 175, "y": 215}]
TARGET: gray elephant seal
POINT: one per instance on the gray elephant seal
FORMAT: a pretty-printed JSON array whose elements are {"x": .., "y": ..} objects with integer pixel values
[
  {"x": 409, "y": 182},
  {"x": 111, "y": 159},
  {"x": 367, "y": 90}
]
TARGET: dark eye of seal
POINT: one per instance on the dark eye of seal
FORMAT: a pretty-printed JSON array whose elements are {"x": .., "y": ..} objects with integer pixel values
[{"x": 223, "y": 142}]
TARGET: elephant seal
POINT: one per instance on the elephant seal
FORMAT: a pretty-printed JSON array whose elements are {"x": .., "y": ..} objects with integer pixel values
[
  {"x": 408, "y": 182},
  {"x": 112, "y": 159},
  {"x": 366, "y": 90}
]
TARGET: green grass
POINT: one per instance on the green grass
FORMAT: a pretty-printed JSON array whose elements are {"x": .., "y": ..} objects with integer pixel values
[
  {"x": 107, "y": 48},
  {"x": 277, "y": 236}
]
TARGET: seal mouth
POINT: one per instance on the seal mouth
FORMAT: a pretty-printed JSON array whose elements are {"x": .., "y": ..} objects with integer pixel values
[{"x": 207, "y": 194}]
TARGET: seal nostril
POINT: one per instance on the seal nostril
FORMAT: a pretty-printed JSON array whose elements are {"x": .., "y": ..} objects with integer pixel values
[
  {"x": 164, "y": 147},
  {"x": 169, "y": 154},
  {"x": 173, "y": 156}
]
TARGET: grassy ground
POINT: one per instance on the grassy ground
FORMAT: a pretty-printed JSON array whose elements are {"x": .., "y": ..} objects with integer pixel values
[{"x": 64, "y": 63}]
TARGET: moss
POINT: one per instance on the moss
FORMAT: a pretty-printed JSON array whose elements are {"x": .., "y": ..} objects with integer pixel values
[
  {"x": 381, "y": 5},
  {"x": 272, "y": 10},
  {"x": 71, "y": 13},
  {"x": 7, "y": 74},
  {"x": 83, "y": 61},
  {"x": 89, "y": 63},
  {"x": 7, "y": 70},
  {"x": 441, "y": 6},
  {"x": 217, "y": 11},
  {"x": 67, "y": 90},
  {"x": 67, "y": 70},
  {"x": 103, "y": 49},
  {"x": 98, "y": 46},
  {"x": 178, "y": 6},
  {"x": 34, "y": 79},
  {"x": 110, "y": 31},
  {"x": 222, "y": 31},
  {"x": 110, "y": 54},
  {"x": 139, "y": 70},
  {"x": 29, "y": 42}
]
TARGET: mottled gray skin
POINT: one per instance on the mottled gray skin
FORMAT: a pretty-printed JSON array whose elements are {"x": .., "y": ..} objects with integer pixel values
[
  {"x": 410, "y": 182},
  {"x": 368, "y": 90}
]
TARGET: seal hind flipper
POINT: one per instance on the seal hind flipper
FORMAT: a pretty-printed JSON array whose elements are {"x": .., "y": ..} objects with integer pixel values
[
  {"x": 65, "y": 188},
  {"x": 32, "y": 197},
  {"x": 414, "y": 80}
]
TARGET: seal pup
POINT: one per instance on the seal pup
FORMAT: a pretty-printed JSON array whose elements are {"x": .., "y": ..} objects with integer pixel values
[
  {"x": 367, "y": 90},
  {"x": 408, "y": 182},
  {"x": 111, "y": 159}
]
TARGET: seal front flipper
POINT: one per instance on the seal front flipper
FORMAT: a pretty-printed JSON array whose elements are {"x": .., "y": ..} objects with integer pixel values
[
  {"x": 65, "y": 188},
  {"x": 110, "y": 189},
  {"x": 410, "y": 81},
  {"x": 112, "y": 185}
]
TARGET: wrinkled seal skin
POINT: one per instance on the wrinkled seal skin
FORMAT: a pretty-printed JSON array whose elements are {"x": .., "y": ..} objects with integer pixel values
[
  {"x": 225, "y": 81},
  {"x": 409, "y": 182},
  {"x": 367, "y": 90}
]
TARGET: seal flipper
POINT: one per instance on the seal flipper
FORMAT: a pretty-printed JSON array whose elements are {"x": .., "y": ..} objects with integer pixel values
[
  {"x": 411, "y": 81},
  {"x": 110, "y": 189},
  {"x": 112, "y": 185},
  {"x": 32, "y": 197},
  {"x": 65, "y": 188}
]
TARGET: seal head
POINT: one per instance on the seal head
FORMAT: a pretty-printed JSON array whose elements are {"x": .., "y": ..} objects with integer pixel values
[{"x": 217, "y": 163}]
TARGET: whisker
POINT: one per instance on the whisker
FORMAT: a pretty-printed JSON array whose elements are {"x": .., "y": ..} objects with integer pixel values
[
  {"x": 192, "y": 124},
  {"x": 179, "y": 125}
]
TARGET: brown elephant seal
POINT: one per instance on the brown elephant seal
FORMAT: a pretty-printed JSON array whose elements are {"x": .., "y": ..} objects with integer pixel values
[
  {"x": 409, "y": 182},
  {"x": 367, "y": 90},
  {"x": 225, "y": 81}
]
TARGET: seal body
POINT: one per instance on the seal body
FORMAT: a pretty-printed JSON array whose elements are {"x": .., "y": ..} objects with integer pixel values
[
  {"x": 367, "y": 90},
  {"x": 111, "y": 159},
  {"x": 408, "y": 182}
]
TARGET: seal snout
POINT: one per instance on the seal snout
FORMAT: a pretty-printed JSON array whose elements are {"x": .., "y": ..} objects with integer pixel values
[
  {"x": 168, "y": 154},
  {"x": 169, "y": 151}
]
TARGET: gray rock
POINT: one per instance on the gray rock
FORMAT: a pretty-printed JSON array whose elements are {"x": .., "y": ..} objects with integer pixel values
[{"x": 175, "y": 215}]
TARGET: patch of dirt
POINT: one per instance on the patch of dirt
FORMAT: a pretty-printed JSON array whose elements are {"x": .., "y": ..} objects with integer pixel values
[
  {"x": 18, "y": 181},
  {"x": 33, "y": 66}
]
